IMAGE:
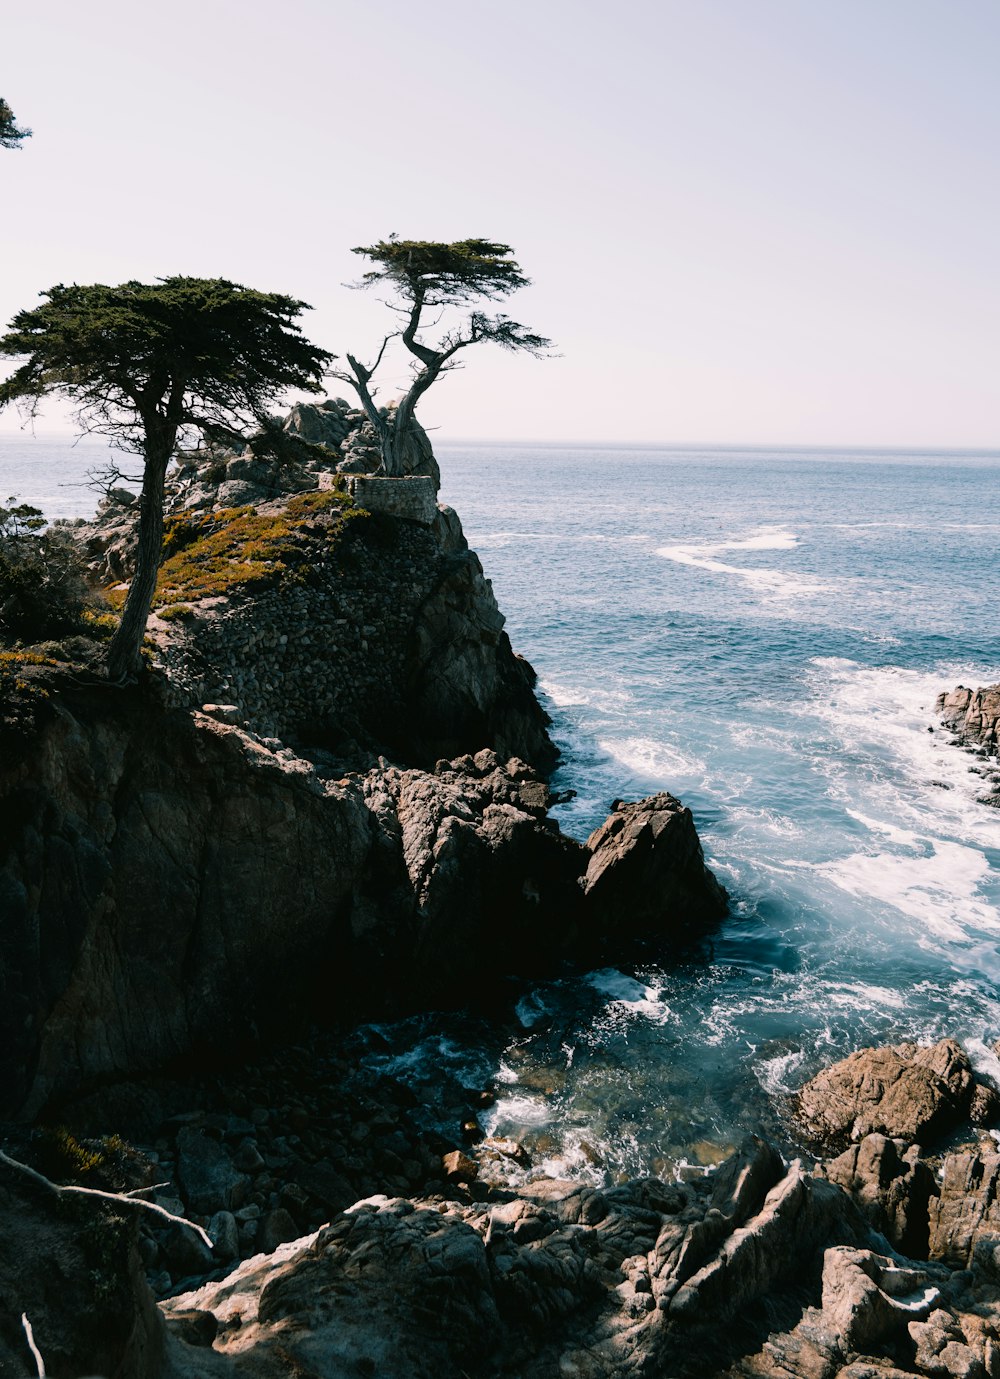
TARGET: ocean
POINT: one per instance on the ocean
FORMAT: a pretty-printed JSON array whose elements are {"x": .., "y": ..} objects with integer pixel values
[{"x": 763, "y": 633}]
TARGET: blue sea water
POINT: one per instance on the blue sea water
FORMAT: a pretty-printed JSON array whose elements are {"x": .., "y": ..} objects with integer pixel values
[{"x": 762, "y": 632}]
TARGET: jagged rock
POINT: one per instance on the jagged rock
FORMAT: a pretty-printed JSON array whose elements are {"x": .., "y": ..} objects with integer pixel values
[
  {"x": 904, "y": 1091},
  {"x": 126, "y": 849},
  {"x": 459, "y": 1167},
  {"x": 984, "y": 1108},
  {"x": 647, "y": 871},
  {"x": 974, "y": 715},
  {"x": 554, "y": 1279},
  {"x": 893, "y": 1189},
  {"x": 965, "y": 1218},
  {"x": 868, "y": 1297}
]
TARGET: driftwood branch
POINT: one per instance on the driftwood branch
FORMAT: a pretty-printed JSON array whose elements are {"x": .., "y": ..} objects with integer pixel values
[
  {"x": 35, "y": 1352},
  {"x": 121, "y": 1198}
]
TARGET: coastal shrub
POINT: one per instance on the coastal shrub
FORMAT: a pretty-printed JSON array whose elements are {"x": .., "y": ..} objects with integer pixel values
[
  {"x": 43, "y": 578},
  {"x": 214, "y": 553},
  {"x": 107, "y": 1162}
]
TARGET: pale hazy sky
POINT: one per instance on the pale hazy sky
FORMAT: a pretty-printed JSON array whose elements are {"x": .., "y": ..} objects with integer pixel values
[{"x": 746, "y": 220}]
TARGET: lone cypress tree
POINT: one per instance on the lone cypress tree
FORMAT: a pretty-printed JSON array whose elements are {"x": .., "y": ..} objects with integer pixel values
[
  {"x": 428, "y": 277},
  {"x": 142, "y": 363}
]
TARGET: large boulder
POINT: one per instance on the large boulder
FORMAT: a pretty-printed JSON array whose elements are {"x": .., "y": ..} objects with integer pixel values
[
  {"x": 903, "y": 1091},
  {"x": 647, "y": 873}
]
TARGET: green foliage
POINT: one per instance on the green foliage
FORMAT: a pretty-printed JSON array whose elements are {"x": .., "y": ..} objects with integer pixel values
[
  {"x": 143, "y": 356},
  {"x": 144, "y": 363},
  {"x": 428, "y": 274},
  {"x": 10, "y": 135},
  {"x": 43, "y": 582},
  {"x": 107, "y": 1162},
  {"x": 466, "y": 270},
  {"x": 215, "y": 553}
]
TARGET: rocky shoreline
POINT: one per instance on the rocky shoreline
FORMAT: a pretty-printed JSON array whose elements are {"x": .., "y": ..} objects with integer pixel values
[
  {"x": 369, "y": 1247},
  {"x": 973, "y": 716},
  {"x": 327, "y": 802}
]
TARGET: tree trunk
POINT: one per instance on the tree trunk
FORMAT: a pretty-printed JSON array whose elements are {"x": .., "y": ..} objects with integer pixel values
[
  {"x": 407, "y": 452},
  {"x": 386, "y": 439},
  {"x": 126, "y": 644}
]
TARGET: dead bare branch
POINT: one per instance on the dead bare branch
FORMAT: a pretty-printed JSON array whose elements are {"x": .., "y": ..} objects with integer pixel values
[
  {"x": 121, "y": 1198},
  {"x": 35, "y": 1352}
]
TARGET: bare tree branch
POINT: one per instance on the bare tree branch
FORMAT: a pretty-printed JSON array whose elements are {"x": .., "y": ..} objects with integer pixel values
[
  {"x": 122, "y": 1198},
  {"x": 35, "y": 1352}
]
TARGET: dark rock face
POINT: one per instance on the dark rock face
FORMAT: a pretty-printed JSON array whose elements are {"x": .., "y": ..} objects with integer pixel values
[
  {"x": 904, "y": 1092},
  {"x": 393, "y": 644},
  {"x": 73, "y": 1269},
  {"x": 171, "y": 883},
  {"x": 645, "y": 863}
]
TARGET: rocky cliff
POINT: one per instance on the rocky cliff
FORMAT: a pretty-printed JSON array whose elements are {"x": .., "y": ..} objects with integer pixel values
[{"x": 319, "y": 802}]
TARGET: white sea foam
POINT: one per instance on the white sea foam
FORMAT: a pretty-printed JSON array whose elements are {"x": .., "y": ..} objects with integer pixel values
[
  {"x": 916, "y": 780},
  {"x": 940, "y": 889},
  {"x": 628, "y": 995},
  {"x": 777, "y": 1074},
  {"x": 772, "y": 584},
  {"x": 573, "y": 696},
  {"x": 652, "y": 759}
]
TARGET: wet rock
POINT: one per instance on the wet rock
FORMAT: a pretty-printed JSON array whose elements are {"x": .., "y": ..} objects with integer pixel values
[
  {"x": 904, "y": 1091},
  {"x": 974, "y": 715},
  {"x": 646, "y": 874},
  {"x": 458, "y": 1167}
]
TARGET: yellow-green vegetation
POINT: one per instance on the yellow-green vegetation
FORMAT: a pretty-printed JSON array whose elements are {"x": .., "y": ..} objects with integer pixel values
[
  {"x": 174, "y": 610},
  {"x": 214, "y": 553},
  {"x": 58, "y": 1154},
  {"x": 15, "y": 686},
  {"x": 99, "y": 624}
]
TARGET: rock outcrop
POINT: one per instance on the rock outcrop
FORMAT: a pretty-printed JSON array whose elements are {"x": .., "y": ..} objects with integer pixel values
[
  {"x": 73, "y": 1270},
  {"x": 550, "y": 1280},
  {"x": 172, "y": 882},
  {"x": 646, "y": 856},
  {"x": 759, "y": 1269},
  {"x": 974, "y": 717},
  {"x": 904, "y": 1091}
]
